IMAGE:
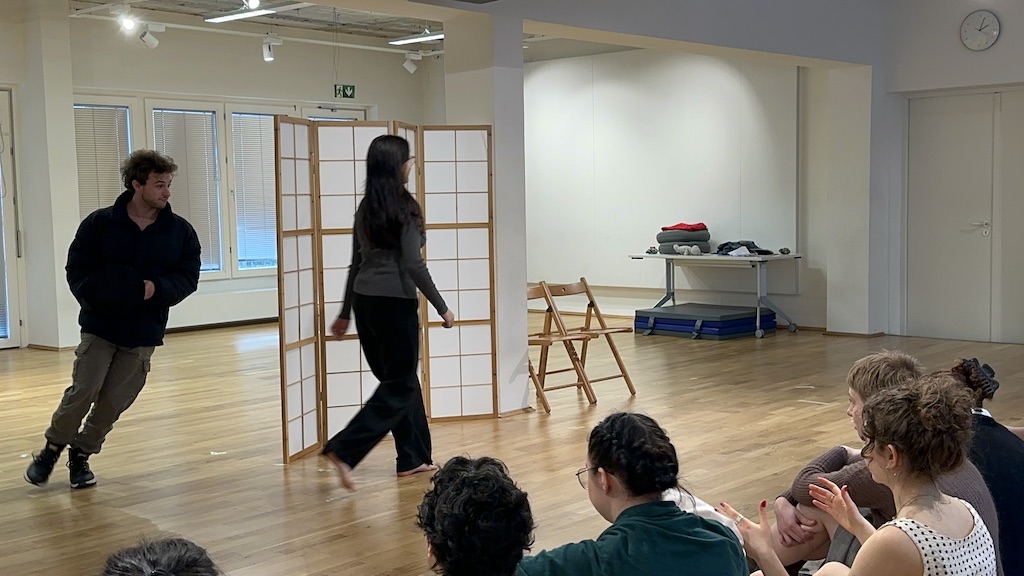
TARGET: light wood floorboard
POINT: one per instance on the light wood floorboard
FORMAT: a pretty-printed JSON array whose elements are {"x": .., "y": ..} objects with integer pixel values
[{"x": 199, "y": 454}]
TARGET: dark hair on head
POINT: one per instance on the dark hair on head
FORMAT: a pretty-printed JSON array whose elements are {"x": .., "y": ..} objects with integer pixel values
[
  {"x": 634, "y": 449},
  {"x": 141, "y": 163},
  {"x": 927, "y": 420},
  {"x": 882, "y": 370},
  {"x": 387, "y": 206},
  {"x": 977, "y": 377},
  {"x": 167, "y": 557},
  {"x": 477, "y": 521}
]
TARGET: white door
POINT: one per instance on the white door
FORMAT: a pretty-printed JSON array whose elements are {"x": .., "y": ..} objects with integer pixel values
[
  {"x": 949, "y": 217},
  {"x": 10, "y": 318},
  {"x": 1008, "y": 213}
]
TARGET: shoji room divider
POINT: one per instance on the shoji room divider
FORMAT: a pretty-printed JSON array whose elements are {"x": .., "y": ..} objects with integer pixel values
[{"x": 321, "y": 169}]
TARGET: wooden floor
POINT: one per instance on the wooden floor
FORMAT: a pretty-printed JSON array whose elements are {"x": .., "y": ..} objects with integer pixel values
[{"x": 198, "y": 455}]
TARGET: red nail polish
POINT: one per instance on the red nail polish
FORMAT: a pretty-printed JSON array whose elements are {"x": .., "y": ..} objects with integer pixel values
[{"x": 764, "y": 503}]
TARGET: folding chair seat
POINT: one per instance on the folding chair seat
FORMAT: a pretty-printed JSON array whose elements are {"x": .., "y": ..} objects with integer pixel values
[
  {"x": 601, "y": 329},
  {"x": 545, "y": 339}
]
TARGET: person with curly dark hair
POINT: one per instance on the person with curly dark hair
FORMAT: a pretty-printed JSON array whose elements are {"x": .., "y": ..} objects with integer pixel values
[
  {"x": 166, "y": 557},
  {"x": 913, "y": 434},
  {"x": 127, "y": 266},
  {"x": 999, "y": 455},
  {"x": 630, "y": 465},
  {"x": 476, "y": 520}
]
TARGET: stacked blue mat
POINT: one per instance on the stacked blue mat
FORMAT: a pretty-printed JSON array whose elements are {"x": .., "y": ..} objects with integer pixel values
[{"x": 703, "y": 321}]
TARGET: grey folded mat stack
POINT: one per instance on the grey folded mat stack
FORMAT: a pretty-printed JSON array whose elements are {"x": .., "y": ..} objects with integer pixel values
[{"x": 669, "y": 239}]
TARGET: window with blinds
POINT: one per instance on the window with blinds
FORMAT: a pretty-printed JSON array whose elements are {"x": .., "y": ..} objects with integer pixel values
[
  {"x": 103, "y": 141},
  {"x": 5, "y": 304},
  {"x": 255, "y": 190},
  {"x": 190, "y": 138}
]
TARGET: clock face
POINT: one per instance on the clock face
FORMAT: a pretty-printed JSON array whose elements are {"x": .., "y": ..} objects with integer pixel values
[{"x": 979, "y": 30}]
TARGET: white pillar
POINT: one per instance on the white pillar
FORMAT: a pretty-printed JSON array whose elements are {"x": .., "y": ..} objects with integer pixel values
[
  {"x": 849, "y": 200},
  {"x": 484, "y": 85},
  {"x": 49, "y": 174}
]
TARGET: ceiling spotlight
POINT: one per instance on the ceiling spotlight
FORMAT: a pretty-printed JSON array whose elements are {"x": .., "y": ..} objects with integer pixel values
[
  {"x": 268, "y": 47},
  {"x": 409, "y": 64},
  {"x": 149, "y": 39},
  {"x": 251, "y": 4},
  {"x": 425, "y": 36}
]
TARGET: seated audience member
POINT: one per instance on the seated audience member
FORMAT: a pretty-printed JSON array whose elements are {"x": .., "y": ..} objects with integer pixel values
[
  {"x": 999, "y": 456},
  {"x": 476, "y": 520},
  {"x": 630, "y": 464},
  {"x": 167, "y": 557},
  {"x": 913, "y": 434},
  {"x": 824, "y": 539}
]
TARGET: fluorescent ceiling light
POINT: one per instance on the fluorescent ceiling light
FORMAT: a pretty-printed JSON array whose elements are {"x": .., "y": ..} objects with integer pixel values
[
  {"x": 238, "y": 16},
  {"x": 265, "y": 10},
  {"x": 424, "y": 36}
]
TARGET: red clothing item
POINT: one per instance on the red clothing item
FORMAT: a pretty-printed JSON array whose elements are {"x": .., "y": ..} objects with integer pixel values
[{"x": 684, "y": 226}]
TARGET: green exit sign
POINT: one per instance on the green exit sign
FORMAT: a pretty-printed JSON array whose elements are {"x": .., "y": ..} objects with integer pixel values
[{"x": 344, "y": 91}]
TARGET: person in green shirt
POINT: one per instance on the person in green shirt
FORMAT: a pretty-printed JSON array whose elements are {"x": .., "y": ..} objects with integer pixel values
[{"x": 630, "y": 464}]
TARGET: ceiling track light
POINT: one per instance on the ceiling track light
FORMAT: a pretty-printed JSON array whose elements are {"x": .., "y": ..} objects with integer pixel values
[
  {"x": 425, "y": 36},
  {"x": 147, "y": 36},
  {"x": 268, "y": 47}
]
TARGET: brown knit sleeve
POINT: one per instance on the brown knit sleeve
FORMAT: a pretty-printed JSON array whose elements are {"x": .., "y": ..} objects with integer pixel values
[{"x": 853, "y": 473}]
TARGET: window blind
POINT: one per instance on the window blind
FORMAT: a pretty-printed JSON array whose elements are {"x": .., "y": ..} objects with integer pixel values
[
  {"x": 190, "y": 138},
  {"x": 255, "y": 190},
  {"x": 102, "y": 142}
]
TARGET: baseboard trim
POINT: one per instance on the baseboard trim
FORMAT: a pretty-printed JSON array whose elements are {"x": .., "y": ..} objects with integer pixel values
[
  {"x": 235, "y": 324},
  {"x": 46, "y": 348},
  {"x": 855, "y": 335}
]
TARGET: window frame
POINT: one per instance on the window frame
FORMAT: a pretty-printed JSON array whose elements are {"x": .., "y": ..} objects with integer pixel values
[
  {"x": 221, "y": 161},
  {"x": 229, "y": 110}
]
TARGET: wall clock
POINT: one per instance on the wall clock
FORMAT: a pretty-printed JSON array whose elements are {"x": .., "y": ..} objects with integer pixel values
[{"x": 980, "y": 30}]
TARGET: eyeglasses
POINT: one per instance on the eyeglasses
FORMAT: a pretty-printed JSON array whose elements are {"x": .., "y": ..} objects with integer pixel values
[{"x": 583, "y": 479}]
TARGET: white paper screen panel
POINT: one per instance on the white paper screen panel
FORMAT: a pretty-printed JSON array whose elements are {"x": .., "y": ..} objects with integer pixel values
[
  {"x": 350, "y": 383},
  {"x": 457, "y": 198},
  {"x": 299, "y": 287}
]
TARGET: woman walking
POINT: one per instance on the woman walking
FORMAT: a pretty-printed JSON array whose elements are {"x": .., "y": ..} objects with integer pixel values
[{"x": 386, "y": 270}]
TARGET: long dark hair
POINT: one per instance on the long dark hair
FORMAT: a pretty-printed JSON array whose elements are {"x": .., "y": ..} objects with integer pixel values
[
  {"x": 387, "y": 206},
  {"x": 633, "y": 448}
]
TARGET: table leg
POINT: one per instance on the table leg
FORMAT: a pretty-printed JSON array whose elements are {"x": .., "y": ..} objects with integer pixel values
[
  {"x": 762, "y": 296},
  {"x": 670, "y": 285}
]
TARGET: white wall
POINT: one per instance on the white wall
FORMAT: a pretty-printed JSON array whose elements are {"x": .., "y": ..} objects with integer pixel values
[
  {"x": 925, "y": 52},
  {"x": 12, "y": 46},
  {"x": 619, "y": 145}
]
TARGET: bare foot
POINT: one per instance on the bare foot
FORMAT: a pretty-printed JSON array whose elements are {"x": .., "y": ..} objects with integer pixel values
[
  {"x": 418, "y": 469},
  {"x": 344, "y": 470}
]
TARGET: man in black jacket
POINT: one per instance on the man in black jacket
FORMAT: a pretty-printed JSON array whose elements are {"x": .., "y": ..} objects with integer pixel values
[{"x": 128, "y": 264}]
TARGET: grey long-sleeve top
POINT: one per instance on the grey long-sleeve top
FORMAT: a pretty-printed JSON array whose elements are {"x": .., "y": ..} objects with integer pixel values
[{"x": 388, "y": 272}]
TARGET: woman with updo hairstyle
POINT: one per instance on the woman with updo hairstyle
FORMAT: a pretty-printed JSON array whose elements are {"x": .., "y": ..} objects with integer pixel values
[
  {"x": 913, "y": 433},
  {"x": 630, "y": 463},
  {"x": 998, "y": 453}
]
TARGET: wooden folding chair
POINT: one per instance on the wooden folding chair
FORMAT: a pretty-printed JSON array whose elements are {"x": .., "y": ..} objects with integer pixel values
[
  {"x": 601, "y": 329},
  {"x": 545, "y": 339}
]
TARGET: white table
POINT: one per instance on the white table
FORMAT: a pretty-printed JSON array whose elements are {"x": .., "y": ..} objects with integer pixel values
[{"x": 720, "y": 261}]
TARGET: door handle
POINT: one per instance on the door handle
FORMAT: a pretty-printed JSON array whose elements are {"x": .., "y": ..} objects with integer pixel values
[{"x": 983, "y": 224}]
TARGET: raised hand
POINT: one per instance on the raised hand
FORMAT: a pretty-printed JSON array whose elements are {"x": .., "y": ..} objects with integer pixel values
[
  {"x": 757, "y": 537},
  {"x": 837, "y": 502}
]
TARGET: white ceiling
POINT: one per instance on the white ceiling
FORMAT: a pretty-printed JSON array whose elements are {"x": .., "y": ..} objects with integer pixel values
[
  {"x": 321, "y": 18},
  {"x": 369, "y": 25}
]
